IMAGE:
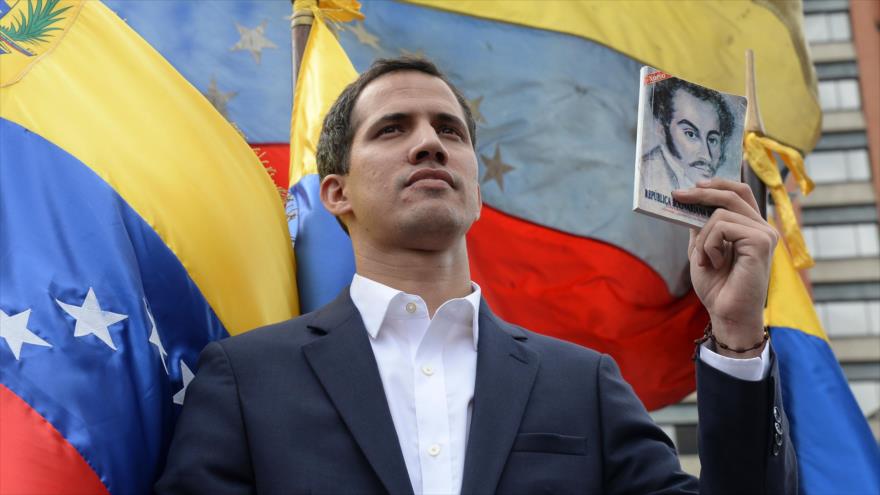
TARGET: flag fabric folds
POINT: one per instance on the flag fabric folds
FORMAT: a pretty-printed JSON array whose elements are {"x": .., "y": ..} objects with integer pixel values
[
  {"x": 137, "y": 227},
  {"x": 324, "y": 72},
  {"x": 703, "y": 42},
  {"x": 836, "y": 450},
  {"x": 554, "y": 87}
]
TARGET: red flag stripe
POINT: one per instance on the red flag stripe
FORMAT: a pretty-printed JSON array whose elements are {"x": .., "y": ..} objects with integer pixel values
[
  {"x": 276, "y": 159},
  {"x": 590, "y": 293},
  {"x": 31, "y": 447}
]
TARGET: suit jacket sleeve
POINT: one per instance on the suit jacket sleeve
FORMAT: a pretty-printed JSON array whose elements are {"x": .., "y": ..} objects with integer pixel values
[
  {"x": 743, "y": 434},
  {"x": 637, "y": 456},
  {"x": 209, "y": 452}
]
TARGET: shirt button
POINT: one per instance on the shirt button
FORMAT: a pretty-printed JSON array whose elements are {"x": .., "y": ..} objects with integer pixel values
[
  {"x": 434, "y": 450},
  {"x": 776, "y": 415},
  {"x": 411, "y": 307},
  {"x": 427, "y": 370}
]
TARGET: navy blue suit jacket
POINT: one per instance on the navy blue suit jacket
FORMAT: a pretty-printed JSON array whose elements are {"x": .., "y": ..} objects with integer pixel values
[{"x": 299, "y": 407}]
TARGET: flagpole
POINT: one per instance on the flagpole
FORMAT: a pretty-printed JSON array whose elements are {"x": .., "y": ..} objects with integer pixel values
[
  {"x": 753, "y": 123},
  {"x": 300, "y": 26}
]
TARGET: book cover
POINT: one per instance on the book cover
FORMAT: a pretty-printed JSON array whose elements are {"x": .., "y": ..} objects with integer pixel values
[{"x": 686, "y": 133}]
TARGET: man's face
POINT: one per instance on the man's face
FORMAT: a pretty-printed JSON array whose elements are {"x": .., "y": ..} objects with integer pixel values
[
  {"x": 412, "y": 180},
  {"x": 693, "y": 136}
]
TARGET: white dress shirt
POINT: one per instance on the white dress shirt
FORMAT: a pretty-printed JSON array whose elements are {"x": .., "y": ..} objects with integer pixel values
[{"x": 428, "y": 368}]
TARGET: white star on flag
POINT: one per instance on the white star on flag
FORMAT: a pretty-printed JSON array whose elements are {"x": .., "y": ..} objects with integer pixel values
[
  {"x": 187, "y": 375},
  {"x": 91, "y": 319},
  {"x": 154, "y": 337},
  {"x": 14, "y": 329},
  {"x": 253, "y": 40}
]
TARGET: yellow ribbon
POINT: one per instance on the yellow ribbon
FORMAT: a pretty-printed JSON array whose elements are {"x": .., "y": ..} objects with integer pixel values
[
  {"x": 759, "y": 153},
  {"x": 336, "y": 10}
]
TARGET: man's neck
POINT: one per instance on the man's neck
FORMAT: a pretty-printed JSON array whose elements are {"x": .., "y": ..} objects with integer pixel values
[{"x": 435, "y": 276}]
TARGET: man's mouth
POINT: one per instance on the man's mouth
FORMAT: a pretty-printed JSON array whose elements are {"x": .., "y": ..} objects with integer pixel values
[
  {"x": 703, "y": 167},
  {"x": 432, "y": 174}
]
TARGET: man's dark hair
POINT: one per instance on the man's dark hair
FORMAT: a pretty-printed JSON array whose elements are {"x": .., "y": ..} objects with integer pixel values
[
  {"x": 337, "y": 132},
  {"x": 663, "y": 108}
]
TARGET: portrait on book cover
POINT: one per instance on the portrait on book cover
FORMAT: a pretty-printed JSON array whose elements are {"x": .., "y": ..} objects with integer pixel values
[
  {"x": 694, "y": 133},
  {"x": 687, "y": 133}
]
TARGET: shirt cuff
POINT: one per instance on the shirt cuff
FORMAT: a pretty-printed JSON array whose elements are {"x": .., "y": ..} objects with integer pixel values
[{"x": 752, "y": 369}]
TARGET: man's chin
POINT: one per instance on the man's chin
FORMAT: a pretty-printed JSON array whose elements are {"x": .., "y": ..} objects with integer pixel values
[{"x": 433, "y": 228}]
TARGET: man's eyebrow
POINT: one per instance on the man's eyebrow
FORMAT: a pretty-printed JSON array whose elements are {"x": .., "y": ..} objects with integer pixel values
[
  {"x": 450, "y": 118},
  {"x": 690, "y": 124},
  {"x": 442, "y": 117},
  {"x": 389, "y": 118}
]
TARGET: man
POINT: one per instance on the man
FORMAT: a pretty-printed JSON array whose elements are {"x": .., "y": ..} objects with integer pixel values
[
  {"x": 693, "y": 125},
  {"x": 408, "y": 383}
]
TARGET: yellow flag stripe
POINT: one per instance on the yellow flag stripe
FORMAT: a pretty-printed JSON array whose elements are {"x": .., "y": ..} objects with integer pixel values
[
  {"x": 788, "y": 302},
  {"x": 701, "y": 41},
  {"x": 106, "y": 97},
  {"x": 324, "y": 72}
]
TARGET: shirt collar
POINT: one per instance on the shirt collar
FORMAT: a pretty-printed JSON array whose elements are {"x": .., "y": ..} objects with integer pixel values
[{"x": 372, "y": 299}]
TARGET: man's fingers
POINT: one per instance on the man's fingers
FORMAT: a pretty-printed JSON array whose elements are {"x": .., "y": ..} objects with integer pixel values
[
  {"x": 733, "y": 196},
  {"x": 731, "y": 227},
  {"x": 692, "y": 248},
  {"x": 740, "y": 188},
  {"x": 733, "y": 217}
]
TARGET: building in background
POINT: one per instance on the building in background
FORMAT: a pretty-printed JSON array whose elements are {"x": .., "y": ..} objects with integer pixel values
[{"x": 840, "y": 217}]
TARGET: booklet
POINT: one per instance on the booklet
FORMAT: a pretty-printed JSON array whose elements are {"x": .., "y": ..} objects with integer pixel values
[{"x": 686, "y": 133}]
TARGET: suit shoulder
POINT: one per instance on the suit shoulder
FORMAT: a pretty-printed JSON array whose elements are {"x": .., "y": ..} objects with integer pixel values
[
  {"x": 294, "y": 331},
  {"x": 559, "y": 349}
]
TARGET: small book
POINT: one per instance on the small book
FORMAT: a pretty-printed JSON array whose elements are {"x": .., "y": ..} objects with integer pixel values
[{"x": 686, "y": 133}]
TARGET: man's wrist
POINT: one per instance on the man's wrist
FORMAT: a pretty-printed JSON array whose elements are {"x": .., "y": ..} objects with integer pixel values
[{"x": 737, "y": 340}]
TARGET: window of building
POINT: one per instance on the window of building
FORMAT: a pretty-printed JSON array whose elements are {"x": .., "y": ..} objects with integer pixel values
[
  {"x": 842, "y": 241},
  {"x": 849, "y": 318},
  {"x": 828, "y": 167},
  {"x": 869, "y": 242},
  {"x": 840, "y": 94},
  {"x": 857, "y": 165},
  {"x": 827, "y": 27}
]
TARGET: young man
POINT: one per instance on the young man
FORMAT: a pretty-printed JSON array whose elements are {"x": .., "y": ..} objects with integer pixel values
[{"x": 408, "y": 383}]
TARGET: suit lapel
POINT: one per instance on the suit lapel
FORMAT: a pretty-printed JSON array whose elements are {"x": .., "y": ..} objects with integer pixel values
[
  {"x": 345, "y": 365},
  {"x": 506, "y": 370}
]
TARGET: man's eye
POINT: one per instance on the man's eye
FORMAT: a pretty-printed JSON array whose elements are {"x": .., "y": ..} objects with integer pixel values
[
  {"x": 689, "y": 133},
  {"x": 388, "y": 129},
  {"x": 713, "y": 141},
  {"x": 449, "y": 130}
]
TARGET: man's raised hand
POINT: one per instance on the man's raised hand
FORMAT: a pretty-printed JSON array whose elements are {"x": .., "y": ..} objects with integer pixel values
[{"x": 730, "y": 262}]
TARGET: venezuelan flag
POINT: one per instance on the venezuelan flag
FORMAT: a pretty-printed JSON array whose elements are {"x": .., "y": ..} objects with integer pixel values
[
  {"x": 137, "y": 226},
  {"x": 553, "y": 85},
  {"x": 836, "y": 450}
]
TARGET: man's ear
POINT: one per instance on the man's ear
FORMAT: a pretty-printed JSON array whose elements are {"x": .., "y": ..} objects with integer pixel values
[{"x": 333, "y": 195}]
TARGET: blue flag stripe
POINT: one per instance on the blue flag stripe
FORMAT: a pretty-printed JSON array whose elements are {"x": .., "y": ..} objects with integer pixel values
[
  {"x": 66, "y": 234},
  {"x": 318, "y": 239},
  {"x": 836, "y": 450}
]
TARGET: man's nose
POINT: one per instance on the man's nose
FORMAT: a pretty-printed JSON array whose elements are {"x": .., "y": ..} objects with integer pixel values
[
  {"x": 427, "y": 147},
  {"x": 704, "y": 153}
]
